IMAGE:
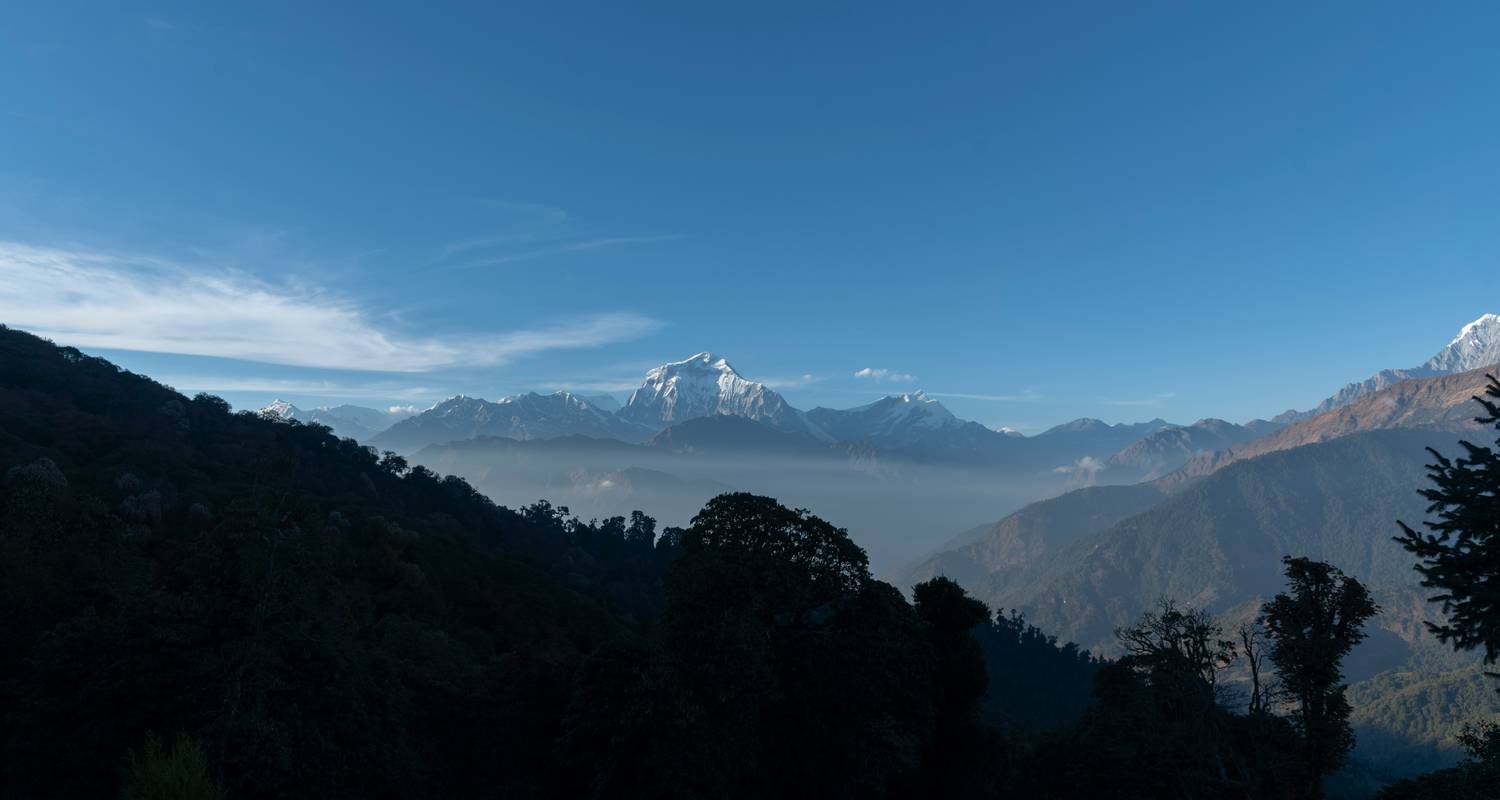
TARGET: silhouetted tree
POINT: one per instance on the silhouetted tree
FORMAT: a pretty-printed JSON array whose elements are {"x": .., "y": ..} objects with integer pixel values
[
  {"x": 1460, "y": 556},
  {"x": 1264, "y": 687},
  {"x": 959, "y": 744},
  {"x": 1312, "y": 627},
  {"x": 1177, "y": 644}
]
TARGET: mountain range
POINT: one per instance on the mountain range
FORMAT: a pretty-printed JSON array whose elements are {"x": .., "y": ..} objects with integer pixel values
[
  {"x": 910, "y": 426},
  {"x": 523, "y": 417}
]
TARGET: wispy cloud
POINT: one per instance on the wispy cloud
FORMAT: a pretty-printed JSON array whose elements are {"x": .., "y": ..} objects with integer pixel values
[
  {"x": 163, "y": 25},
  {"x": 560, "y": 249},
  {"x": 593, "y": 385},
  {"x": 883, "y": 375},
  {"x": 315, "y": 388},
  {"x": 1154, "y": 400},
  {"x": 93, "y": 299},
  {"x": 1024, "y": 397},
  {"x": 806, "y": 379},
  {"x": 484, "y": 242}
]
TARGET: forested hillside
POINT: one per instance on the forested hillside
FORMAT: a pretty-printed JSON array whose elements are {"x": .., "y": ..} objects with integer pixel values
[
  {"x": 233, "y": 606},
  {"x": 300, "y": 616}
]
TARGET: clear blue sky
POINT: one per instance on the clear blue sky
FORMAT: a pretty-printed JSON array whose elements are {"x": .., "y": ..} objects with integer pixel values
[{"x": 1056, "y": 209}]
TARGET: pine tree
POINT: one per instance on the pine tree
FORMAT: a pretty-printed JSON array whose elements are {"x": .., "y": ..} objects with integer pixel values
[{"x": 1460, "y": 555}]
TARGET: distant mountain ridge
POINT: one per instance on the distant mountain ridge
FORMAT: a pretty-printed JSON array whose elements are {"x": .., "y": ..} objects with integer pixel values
[
  {"x": 357, "y": 422},
  {"x": 1163, "y": 451},
  {"x": 706, "y": 387},
  {"x": 523, "y": 416}
]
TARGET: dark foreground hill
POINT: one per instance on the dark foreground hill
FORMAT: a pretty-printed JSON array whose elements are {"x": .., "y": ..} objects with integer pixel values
[{"x": 298, "y": 616}]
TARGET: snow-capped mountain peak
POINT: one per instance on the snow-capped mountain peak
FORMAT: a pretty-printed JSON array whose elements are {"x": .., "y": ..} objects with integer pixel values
[
  {"x": 916, "y": 408},
  {"x": 280, "y": 409},
  {"x": 1476, "y": 345},
  {"x": 705, "y": 385}
]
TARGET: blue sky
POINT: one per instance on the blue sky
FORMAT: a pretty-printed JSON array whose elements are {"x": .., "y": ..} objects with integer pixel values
[{"x": 1035, "y": 211}]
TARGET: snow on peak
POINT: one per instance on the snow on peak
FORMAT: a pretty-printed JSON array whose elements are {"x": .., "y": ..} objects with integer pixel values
[
  {"x": 893, "y": 416},
  {"x": 1485, "y": 322},
  {"x": 1476, "y": 345},
  {"x": 705, "y": 385},
  {"x": 280, "y": 409},
  {"x": 934, "y": 412}
]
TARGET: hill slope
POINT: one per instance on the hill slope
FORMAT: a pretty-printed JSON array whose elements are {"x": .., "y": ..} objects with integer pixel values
[{"x": 326, "y": 622}]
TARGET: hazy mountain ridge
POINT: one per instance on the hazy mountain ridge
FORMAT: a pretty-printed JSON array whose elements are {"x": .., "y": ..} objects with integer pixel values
[
  {"x": 524, "y": 416},
  {"x": 907, "y": 427},
  {"x": 1218, "y": 543},
  {"x": 356, "y": 422},
  {"x": 1163, "y": 451},
  {"x": 1022, "y": 539}
]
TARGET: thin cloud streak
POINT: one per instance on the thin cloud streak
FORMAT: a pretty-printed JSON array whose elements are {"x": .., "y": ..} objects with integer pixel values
[
  {"x": 807, "y": 379},
  {"x": 1024, "y": 397},
  {"x": 211, "y": 383},
  {"x": 590, "y": 385},
  {"x": 571, "y": 247},
  {"x": 1155, "y": 400},
  {"x": 92, "y": 299}
]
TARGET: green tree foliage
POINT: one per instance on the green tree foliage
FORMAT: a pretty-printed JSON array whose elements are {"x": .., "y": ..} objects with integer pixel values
[
  {"x": 1312, "y": 627},
  {"x": 1460, "y": 554},
  {"x": 154, "y": 773}
]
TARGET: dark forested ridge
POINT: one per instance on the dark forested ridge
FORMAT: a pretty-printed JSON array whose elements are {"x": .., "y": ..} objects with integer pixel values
[
  {"x": 290, "y": 614},
  {"x": 236, "y": 607}
]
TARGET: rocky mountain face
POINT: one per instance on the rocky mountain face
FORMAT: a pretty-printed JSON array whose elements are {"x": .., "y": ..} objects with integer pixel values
[
  {"x": 1443, "y": 403},
  {"x": 1477, "y": 345}
]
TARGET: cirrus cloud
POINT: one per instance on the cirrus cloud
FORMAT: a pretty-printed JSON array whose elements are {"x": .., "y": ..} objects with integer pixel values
[{"x": 92, "y": 299}]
